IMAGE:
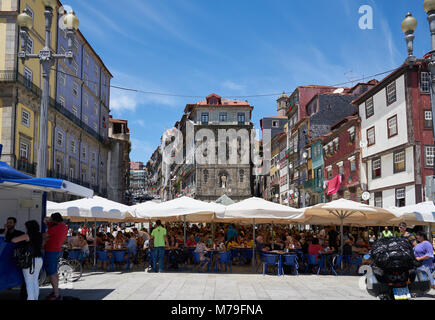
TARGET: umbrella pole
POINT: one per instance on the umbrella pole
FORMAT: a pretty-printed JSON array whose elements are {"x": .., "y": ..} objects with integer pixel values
[
  {"x": 253, "y": 246},
  {"x": 341, "y": 234},
  {"x": 184, "y": 225},
  {"x": 212, "y": 231},
  {"x": 95, "y": 243}
]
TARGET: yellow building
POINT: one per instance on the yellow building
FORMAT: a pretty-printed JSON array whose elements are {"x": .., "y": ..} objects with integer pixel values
[{"x": 21, "y": 84}]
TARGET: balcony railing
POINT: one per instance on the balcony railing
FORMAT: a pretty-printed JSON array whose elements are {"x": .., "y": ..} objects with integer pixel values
[
  {"x": 26, "y": 167},
  {"x": 13, "y": 76},
  {"x": 312, "y": 184}
]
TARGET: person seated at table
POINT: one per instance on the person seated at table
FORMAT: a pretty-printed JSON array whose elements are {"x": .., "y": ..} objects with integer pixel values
[
  {"x": 260, "y": 246},
  {"x": 327, "y": 248},
  {"x": 202, "y": 249},
  {"x": 220, "y": 241},
  {"x": 279, "y": 243},
  {"x": 73, "y": 241},
  {"x": 100, "y": 241},
  {"x": 315, "y": 248},
  {"x": 83, "y": 244},
  {"x": 232, "y": 244},
  {"x": 191, "y": 241},
  {"x": 293, "y": 244},
  {"x": 119, "y": 240},
  {"x": 359, "y": 247}
]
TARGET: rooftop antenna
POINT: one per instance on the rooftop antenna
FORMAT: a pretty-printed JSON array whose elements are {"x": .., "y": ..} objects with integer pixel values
[{"x": 349, "y": 78}]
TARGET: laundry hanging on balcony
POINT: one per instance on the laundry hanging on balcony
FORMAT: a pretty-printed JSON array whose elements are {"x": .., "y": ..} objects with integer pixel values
[{"x": 334, "y": 185}]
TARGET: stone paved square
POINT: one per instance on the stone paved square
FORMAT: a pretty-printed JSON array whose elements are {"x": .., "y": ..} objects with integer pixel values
[{"x": 140, "y": 285}]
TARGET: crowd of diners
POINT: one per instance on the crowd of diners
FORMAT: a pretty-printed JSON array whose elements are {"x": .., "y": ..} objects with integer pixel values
[{"x": 200, "y": 238}]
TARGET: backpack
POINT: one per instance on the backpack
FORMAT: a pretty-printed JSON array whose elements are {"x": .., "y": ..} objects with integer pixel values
[
  {"x": 390, "y": 253},
  {"x": 24, "y": 257}
]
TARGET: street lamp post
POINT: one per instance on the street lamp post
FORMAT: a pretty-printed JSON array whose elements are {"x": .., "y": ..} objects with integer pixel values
[
  {"x": 46, "y": 58},
  {"x": 409, "y": 25}
]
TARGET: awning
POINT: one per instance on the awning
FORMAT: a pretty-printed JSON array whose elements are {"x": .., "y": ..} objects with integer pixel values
[{"x": 12, "y": 179}]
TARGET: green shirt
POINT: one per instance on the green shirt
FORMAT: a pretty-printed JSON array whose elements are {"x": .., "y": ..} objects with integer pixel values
[
  {"x": 159, "y": 234},
  {"x": 387, "y": 234}
]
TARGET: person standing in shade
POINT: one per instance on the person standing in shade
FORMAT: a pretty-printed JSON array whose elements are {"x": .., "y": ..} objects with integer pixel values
[
  {"x": 404, "y": 234},
  {"x": 424, "y": 253},
  {"x": 10, "y": 231},
  {"x": 160, "y": 241},
  {"x": 31, "y": 275},
  {"x": 53, "y": 241},
  {"x": 387, "y": 233}
]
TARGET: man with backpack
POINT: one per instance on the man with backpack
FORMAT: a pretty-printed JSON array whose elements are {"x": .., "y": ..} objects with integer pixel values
[{"x": 53, "y": 241}]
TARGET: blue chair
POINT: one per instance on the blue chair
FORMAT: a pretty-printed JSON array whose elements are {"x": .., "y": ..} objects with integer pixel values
[
  {"x": 271, "y": 260},
  {"x": 290, "y": 260},
  {"x": 120, "y": 258},
  {"x": 337, "y": 262},
  {"x": 224, "y": 258},
  {"x": 235, "y": 254},
  {"x": 74, "y": 254},
  {"x": 312, "y": 260},
  {"x": 197, "y": 261},
  {"x": 103, "y": 257},
  {"x": 246, "y": 255},
  {"x": 353, "y": 261}
]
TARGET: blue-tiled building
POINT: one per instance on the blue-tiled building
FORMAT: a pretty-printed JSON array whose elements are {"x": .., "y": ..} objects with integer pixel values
[{"x": 82, "y": 95}]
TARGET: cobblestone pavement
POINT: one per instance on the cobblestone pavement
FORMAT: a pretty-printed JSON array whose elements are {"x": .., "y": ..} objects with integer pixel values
[{"x": 141, "y": 285}]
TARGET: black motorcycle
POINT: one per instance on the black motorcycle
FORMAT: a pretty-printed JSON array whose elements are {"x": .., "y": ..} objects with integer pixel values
[{"x": 393, "y": 273}]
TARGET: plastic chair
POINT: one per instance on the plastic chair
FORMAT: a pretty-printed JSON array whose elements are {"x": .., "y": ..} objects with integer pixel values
[
  {"x": 312, "y": 260},
  {"x": 271, "y": 260},
  {"x": 102, "y": 256},
  {"x": 74, "y": 255},
  {"x": 235, "y": 255},
  {"x": 337, "y": 262},
  {"x": 120, "y": 258},
  {"x": 352, "y": 261},
  {"x": 246, "y": 255},
  {"x": 224, "y": 257},
  {"x": 290, "y": 260},
  {"x": 197, "y": 261}
]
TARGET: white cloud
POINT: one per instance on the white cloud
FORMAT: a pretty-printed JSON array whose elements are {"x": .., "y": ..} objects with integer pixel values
[
  {"x": 123, "y": 101},
  {"x": 232, "y": 85},
  {"x": 141, "y": 150}
]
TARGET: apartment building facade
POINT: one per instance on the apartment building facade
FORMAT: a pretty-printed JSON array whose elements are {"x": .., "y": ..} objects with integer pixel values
[{"x": 397, "y": 140}]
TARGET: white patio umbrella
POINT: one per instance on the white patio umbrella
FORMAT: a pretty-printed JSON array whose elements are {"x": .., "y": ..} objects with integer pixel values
[
  {"x": 182, "y": 209},
  {"x": 95, "y": 208},
  {"x": 262, "y": 211},
  {"x": 345, "y": 212},
  {"x": 257, "y": 210},
  {"x": 91, "y": 209},
  {"x": 417, "y": 214}
]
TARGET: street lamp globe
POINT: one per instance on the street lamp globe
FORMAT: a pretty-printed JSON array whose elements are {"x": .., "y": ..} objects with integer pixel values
[
  {"x": 71, "y": 21},
  {"x": 429, "y": 5},
  {"x": 24, "y": 20},
  {"x": 409, "y": 24},
  {"x": 50, "y": 3}
]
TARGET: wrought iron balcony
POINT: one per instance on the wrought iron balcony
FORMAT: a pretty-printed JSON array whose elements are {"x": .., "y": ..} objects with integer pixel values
[
  {"x": 26, "y": 167},
  {"x": 13, "y": 76}
]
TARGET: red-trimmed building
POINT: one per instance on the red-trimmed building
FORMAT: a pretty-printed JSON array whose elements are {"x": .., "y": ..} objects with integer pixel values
[
  {"x": 342, "y": 157},
  {"x": 398, "y": 148}
]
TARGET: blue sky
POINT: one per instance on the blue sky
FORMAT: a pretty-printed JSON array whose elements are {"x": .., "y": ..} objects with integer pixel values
[{"x": 236, "y": 47}]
